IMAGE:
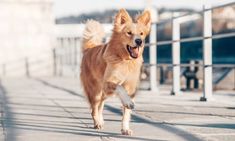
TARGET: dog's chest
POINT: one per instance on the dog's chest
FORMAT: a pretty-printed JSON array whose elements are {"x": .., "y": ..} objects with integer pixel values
[{"x": 133, "y": 70}]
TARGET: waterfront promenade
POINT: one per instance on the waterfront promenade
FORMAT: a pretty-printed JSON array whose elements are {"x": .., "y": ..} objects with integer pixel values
[{"x": 54, "y": 109}]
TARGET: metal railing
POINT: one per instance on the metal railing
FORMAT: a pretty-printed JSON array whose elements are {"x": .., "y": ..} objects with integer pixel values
[
  {"x": 67, "y": 56},
  {"x": 69, "y": 46},
  {"x": 216, "y": 67},
  {"x": 207, "y": 48},
  {"x": 196, "y": 12},
  {"x": 29, "y": 65}
]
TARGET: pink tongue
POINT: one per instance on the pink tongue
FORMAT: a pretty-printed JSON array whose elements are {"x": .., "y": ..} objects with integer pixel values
[{"x": 135, "y": 52}]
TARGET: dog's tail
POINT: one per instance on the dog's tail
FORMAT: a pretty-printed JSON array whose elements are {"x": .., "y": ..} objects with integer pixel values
[{"x": 93, "y": 34}]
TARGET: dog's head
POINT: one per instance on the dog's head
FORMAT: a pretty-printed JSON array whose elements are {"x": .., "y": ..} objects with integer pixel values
[{"x": 132, "y": 33}]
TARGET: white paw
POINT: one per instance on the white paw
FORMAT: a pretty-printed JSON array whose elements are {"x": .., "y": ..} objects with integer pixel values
[
  {"x": 129, "y": 104},
  {"x": 99, "y": 125},
  {"x": 126, "y": 132}
]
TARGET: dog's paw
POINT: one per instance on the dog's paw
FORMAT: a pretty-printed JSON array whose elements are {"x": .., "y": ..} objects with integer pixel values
[
  {"x": 129, "y": 104},
  {"x": 126, "y": 132},
  {"x": 99, "y": 126}
]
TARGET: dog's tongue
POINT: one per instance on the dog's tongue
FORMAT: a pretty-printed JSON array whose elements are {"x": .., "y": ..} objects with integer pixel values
[{"x": 135, "y": 52}]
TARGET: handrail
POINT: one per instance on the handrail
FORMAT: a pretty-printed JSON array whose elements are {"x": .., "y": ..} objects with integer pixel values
[
  {"x": 195, "y": 65},
  {"x": 190, "y": 39},
  {"x": 196, "y": 12}
]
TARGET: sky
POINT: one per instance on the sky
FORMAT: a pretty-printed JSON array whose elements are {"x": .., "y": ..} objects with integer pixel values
[{"x": 75, "y": 7}]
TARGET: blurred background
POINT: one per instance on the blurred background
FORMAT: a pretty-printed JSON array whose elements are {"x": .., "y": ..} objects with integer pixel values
[{"x": 42, "y": 38}]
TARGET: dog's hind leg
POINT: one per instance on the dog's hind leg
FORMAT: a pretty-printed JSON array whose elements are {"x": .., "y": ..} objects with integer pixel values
[
  {"x": 98, "y": 123},
  {"x": 101, "y": 107},
  {"x": 95, "y": 115},
  {"x": 125, "y": 122}
]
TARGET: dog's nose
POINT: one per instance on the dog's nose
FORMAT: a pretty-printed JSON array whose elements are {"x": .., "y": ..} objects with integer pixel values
[{"x": 138, "y": 42}]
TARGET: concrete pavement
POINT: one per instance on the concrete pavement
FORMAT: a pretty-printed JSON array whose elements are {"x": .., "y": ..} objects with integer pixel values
[{"x": 54, "y": 109}]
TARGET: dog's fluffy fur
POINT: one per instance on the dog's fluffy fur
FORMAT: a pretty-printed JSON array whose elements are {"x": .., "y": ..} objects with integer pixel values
[{"x": 107, "y": 69}]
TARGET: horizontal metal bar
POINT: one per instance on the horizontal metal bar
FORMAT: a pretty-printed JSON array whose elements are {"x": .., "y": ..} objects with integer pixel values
[
  {"x": 69, "y": 38},
  {"x": 159, "y": 43},
  {"x": 172, "y": 65},
  {"x": 196, "y": 12},
  {"x": 221, "y": 6},
  {"x": 224, "y": 35},
  {"x": 189, "y": 65},
  {"x": 223, "y": 66},
  {"x": 191, "y": 39}
]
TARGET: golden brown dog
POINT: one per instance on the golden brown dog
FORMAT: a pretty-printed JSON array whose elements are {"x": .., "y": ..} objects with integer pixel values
[{"x": 113, "y": 68}]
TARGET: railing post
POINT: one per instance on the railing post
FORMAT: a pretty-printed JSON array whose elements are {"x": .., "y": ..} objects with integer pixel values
[
  {"x": 207, "y": 54},
  {"x": 153, "y": 51},
  {"x": 176, "y": 56},
  {"x": 27, "y": 67},
  {"x": 65, "y": 45},
  {"x": 54, "y": 62},
  {"x": 62, "y": 56},
  {"x": 234, "y": 78},
  {"x": 70, "y": 48},
  {"x": 75, "y": 52}
]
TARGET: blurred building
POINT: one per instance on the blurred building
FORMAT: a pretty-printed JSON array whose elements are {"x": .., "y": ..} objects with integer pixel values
[
  {"x": 26, "y": 31},
  {"x": 224, "y": 17}
]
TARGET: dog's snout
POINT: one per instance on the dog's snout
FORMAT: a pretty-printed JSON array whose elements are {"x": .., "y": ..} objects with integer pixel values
[{"x": 138, "y": 42}]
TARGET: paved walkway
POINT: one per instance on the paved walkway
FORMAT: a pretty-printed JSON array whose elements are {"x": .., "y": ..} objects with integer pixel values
[{"x": 53, "y": 109}]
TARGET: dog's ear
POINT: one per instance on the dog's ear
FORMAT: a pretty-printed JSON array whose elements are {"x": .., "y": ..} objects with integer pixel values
[
  {"x": 121, "y": 19},
  {"x": 145, "y": 19}
]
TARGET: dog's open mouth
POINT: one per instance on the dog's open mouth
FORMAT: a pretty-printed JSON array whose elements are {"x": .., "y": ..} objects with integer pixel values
[{"x": 133, "y": 51}]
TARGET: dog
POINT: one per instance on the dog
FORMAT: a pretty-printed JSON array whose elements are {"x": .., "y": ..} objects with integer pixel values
[{"x": 113, "y": 68}]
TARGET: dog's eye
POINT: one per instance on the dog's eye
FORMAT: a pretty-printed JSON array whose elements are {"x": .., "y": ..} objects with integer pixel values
[
  {"x": 129, "y": 33},
  {"x": 141, "y": 33}
]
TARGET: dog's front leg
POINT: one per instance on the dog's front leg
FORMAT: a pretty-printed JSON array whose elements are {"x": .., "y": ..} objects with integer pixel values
[
  {"x": 128, "y": 104},
  {"x": 110, "y": 88},
  {"x": 125, "y": 122},
  {"x": 125, "y": 98}
]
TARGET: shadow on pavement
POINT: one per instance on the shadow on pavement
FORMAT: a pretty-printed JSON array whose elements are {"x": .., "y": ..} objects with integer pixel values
[
  {"x": 14, "y": 122},
  {"x": 186, "y": 113},
  {"x": 135, "y": 117},
  {"x": 6, "y": 115},
  {"x": 216, "y": 125}
]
